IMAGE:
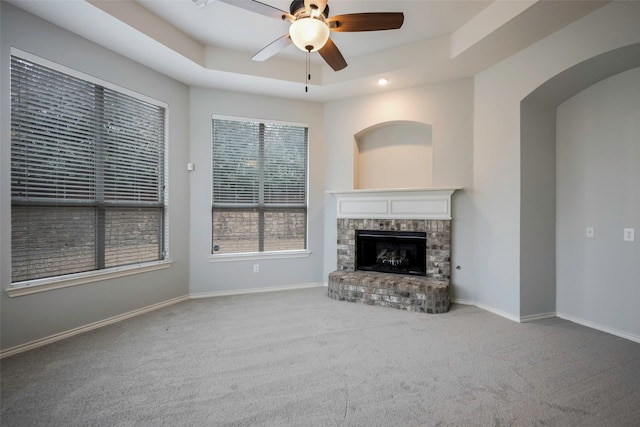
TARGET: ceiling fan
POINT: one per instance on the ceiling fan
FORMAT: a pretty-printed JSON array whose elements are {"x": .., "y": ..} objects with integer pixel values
[{"x": 311, "y": 26}]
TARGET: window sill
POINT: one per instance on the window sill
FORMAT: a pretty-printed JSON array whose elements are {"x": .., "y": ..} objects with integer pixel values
[
  {"x": 50, "y": 283},
  {"x": 250, "y": 256}
]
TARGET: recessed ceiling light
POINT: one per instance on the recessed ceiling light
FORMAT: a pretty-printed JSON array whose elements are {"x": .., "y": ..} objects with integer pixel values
[{"x": 382, "y": 81}]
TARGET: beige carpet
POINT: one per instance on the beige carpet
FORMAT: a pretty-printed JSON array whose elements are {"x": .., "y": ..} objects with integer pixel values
[{"x": 298, "y": 358}]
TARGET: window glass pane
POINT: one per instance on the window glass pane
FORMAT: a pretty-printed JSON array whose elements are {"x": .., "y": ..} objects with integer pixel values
[
  {"x": 236, "y": 172},
  {"x": 132, "y": 235},
  {"x": 133, "y": 149},
  {"x": 285, "y": 165},
  {"x": 235, "y": 230},
  {"x": 51, "y": 241},
  {"x": 53, "y": 136},
  {"x": 287, "y": 229}
]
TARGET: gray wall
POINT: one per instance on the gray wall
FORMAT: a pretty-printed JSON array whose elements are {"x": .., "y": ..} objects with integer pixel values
[
  {"x": 32, "y": 317},
  {"x": 538, "y": 233},
  {"x": 210, "y": 278},
  {"x": 537, "y": 209},
  {"x": 598, "y": 150},
  {"x": 448, "y": 109},
  {"x": 499, "y": 193}
]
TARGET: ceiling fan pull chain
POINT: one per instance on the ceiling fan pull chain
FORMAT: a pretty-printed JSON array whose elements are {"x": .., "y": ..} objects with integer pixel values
[{"x": 308, "y": 71}]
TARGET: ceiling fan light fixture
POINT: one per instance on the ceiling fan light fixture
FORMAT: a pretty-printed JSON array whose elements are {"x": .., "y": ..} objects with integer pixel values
[{"x": 309, "y": 34}]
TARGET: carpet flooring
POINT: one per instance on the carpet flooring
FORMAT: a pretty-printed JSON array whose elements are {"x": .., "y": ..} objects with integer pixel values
[{"x": 298, "y": 358}]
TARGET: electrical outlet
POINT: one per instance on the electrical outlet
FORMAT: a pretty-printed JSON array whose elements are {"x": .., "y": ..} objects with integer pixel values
[
  {"x": 629, "y": 234},
  {"x": 256, "y": 268},
  {"x": 590, "y": 232}
]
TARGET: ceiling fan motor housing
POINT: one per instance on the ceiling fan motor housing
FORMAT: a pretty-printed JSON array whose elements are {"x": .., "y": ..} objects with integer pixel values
[{"x": 296, "y": 5}]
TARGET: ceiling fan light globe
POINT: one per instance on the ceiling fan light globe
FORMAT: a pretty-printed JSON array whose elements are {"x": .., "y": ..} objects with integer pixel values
[{"x": 309, "y": 34}]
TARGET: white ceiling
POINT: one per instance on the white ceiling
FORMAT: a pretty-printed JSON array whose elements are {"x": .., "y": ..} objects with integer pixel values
[
  {"x": 212, "y": 46},
  {"x": 229, "y": 27}
]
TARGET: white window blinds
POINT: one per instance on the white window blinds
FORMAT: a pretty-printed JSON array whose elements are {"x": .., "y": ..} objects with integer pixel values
[
  {"x": 259, "y": 184},
  {"x": 87, "y": 175}
]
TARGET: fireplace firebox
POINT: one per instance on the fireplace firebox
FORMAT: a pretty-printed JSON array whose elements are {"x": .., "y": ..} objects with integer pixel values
[{"x": 400, "y": 252}]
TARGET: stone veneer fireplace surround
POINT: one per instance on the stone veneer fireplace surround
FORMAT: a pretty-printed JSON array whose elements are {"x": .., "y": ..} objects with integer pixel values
[{"x": 425, "y": 210}]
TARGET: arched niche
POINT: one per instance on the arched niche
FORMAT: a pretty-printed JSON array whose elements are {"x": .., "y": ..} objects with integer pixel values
[{"x": 395, "y": 154}]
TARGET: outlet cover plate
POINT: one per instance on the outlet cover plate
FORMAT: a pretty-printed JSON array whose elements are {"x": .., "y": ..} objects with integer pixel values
[{"x": 629, "y": 234}]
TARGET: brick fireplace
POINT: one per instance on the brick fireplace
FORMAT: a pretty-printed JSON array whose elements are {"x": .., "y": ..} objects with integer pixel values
[{"x": 415, "y": 211}]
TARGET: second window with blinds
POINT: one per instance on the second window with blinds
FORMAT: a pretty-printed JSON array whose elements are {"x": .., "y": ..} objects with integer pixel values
[{"x": 259, "y": 197}]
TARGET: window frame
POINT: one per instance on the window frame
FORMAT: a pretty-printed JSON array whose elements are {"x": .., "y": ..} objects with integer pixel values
[
  {"x": 31, "y": 286},
  {"x": 243, "y": 256}
]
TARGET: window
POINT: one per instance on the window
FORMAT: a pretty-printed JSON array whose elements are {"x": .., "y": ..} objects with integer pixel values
[
  {"x": 87, "y": 174},
  {"x": 259, "y": 186}
]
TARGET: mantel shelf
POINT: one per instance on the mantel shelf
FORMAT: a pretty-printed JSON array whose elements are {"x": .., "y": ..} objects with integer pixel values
[
  {"x": 395, "y": 203},
  {"x": 395, "y": 190}
]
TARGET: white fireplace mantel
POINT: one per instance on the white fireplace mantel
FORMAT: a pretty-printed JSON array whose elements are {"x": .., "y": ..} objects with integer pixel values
[{"x": 395, "y": 203}]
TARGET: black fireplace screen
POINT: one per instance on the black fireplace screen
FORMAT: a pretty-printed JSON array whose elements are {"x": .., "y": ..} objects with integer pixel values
[{"x": 401, "y": 252}]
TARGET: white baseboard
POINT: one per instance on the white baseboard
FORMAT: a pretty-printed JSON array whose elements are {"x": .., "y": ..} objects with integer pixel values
[
  {"x": 522, "y": 319},
  {"x": 463, "y": 301},
  {"x": 253, "y": 290},
  {"x": 486, "y": 308},
  {"x": 86, "y": 328},
  {"x": 539, "y": 316},
  {"x": 498, "y": 312},
  {"x": 593, "y": 325}
]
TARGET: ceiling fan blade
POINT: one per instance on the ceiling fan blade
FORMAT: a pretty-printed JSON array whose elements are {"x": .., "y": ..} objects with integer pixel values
[
  {"x": 374, "y": 21},
  {"x": 261, "y": 8},
  {"x": 272, "y": 48},
  {"x": 331, "y": 54}
]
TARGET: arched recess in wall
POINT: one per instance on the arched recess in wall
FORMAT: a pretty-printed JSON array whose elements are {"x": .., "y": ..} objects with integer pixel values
[
  {"x": 538, "y": 183},
  {"x": 396, "y": 154}
]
